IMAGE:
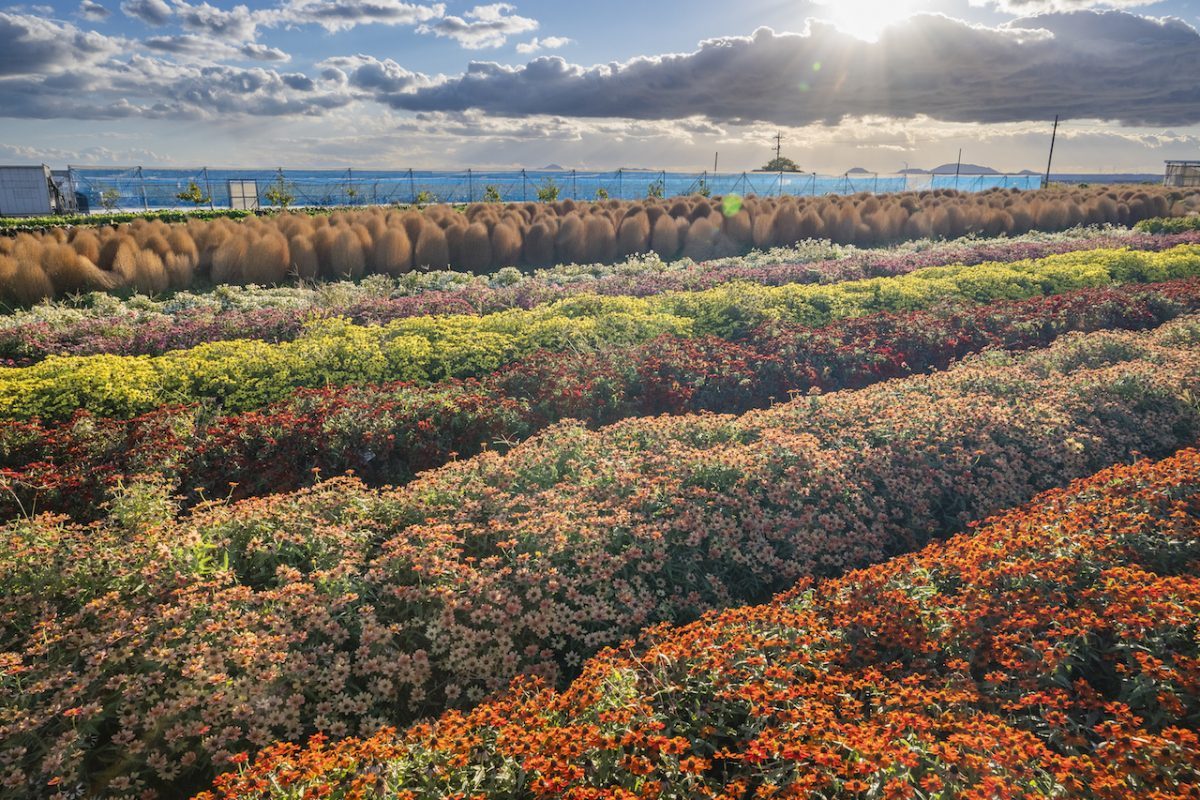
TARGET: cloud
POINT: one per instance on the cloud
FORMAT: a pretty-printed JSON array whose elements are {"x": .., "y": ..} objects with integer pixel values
[
  {"x": 484, "y": 26},
  {"x": 51, "y": 70},
  {"x": 1111, "y": 66},
  {"x": 32, "y": 45},
  {"x": 209, "y": 49},
  {"x": 151, "y": 12},
  {"x": 93, "y": 11},
  {"x": 548, "y": 43},
  {"x": 1043, "y": 6},
  {"x": 237, "y": 24},
  {"x": 342, "y": 15}
]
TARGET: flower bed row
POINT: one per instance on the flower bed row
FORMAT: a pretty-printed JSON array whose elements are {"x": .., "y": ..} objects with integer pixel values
[
  {"x": 146, "y": 327},
  {"x": 1050, "y": 654},
  {"x": 143, "y": 652},
  {"x": 245, "y": 374},
  {"x": 387, "y": 433},
  {"x": 1169, "y": 225}
]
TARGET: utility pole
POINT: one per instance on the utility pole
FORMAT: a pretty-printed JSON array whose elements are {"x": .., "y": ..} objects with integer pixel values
[
  {"x": 715, "y": 157},
  {"x": 957, "y": 167},
  {"x": 1050, "y": 160}
]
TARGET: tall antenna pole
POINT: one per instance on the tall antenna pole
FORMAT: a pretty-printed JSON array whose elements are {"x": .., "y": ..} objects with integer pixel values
[
  {"x": 715, "y": 157},
  {"x": 1049, "y": 161},
  {"x": 778, "y": 144}
]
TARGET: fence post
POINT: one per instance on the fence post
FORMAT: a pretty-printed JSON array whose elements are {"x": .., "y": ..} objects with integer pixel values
[
  {"x": 524, "y": 194},
  {"x": 412, "y": 188},
  {"x": 142, "y": 184},
  {"x": 208, "y": 188},
  {"x": 620, "y": 183},
  {"x": 470, "y": 187},
  {"x": 574, "y": 186}
]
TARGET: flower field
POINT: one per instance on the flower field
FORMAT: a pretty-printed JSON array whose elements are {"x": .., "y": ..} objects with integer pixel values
[
  {"x": 517, "y": 535},
  {"x": 1051, "y": 653}
]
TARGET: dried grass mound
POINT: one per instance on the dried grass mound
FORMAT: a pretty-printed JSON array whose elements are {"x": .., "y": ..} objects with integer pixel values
[
  {"x": 23, "y": 283},
  {"x": 476, "y": 248},
  {"x": 571, "y": 244},
  {"x": 539, "y": 244},
  {"x": 305, "y": 265},
  {"x": 431, "y": 251},
  {"x": 601, "y": 240},
  {"x": 268, "y": 260},
  {"x": 70, "y": 272},
  {"x": 393, "y": 254},
  {"x": 506, "y": 245},
  {"x": 664, "y": 238},
  {"x": 346, "y": 257},
  {"x": 634, "y": 234}
]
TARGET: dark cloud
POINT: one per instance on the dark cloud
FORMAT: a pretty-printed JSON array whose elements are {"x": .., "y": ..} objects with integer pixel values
[
  {"x": 1110, "y": 65},
  {"x": 151, "y": 12},
  {"x": 31, "y": 45}
]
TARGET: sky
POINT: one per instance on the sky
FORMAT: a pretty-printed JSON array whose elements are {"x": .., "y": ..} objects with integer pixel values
[{"x": 387, "y": 84}]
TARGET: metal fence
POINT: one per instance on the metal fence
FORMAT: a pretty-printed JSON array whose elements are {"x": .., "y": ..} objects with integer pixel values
[{"x": 128, "y": 188}]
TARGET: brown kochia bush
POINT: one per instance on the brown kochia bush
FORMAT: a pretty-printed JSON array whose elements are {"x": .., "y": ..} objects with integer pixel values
[{"x": 152, "y": 256}]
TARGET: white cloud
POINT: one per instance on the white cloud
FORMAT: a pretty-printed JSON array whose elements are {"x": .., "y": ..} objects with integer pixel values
[
  {"x": 547, "y": 43},
  {"x": 484, "y": 26},
  {"x": 342, "y": 15},
  {"x": 1043, "y": 6},
  {"x": 93, "y": 11}
]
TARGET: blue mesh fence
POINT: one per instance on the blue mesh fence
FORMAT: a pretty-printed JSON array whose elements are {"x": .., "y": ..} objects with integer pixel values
[{"x": 132, "y": 188}]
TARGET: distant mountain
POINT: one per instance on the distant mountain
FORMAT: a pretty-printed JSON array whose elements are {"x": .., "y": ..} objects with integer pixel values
[
  {"x": 859, "y": 171},
  {"x": 1029, "y": 172},
  {"x": 912, "y": 171},
  {"x": 965, "y": 169},
  {"x": 553, "y": 168}
]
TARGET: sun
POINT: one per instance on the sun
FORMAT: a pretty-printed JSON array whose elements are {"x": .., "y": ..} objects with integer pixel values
[{"x": 864, "y": 19}]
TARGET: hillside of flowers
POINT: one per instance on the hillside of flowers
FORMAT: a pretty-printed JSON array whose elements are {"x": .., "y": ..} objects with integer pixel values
[
  {"x": 1050, "y": 653},
  {"x": 387, "y": 433},
  {"x": 500, "y": 534},
  {"x": 151, "y": 648}
]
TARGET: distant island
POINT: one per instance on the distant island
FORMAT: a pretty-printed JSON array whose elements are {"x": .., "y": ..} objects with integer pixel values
[
  {"x": 859, "y": 171},
  {"x": 964, "y": 169},
  {"x": 553, "y": 168}
]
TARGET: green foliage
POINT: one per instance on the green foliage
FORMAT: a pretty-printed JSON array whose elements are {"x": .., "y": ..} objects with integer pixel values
[
  {"x": 425, "y": 197},
  {"x": 491, "y": 194},
  {"x": 547, "y": 192},
  {"x": 42, "y": 223},
  {"x": 110, "y": 199},
  {"x": 656, "y": 189},
  {"x": 1169, "y": 224},
  {"x": 602, "y": 193},
  {"x": 781, "y": 164},
  {"x": 194, "y": 194},
  {"x": 279, "y": 193}
]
